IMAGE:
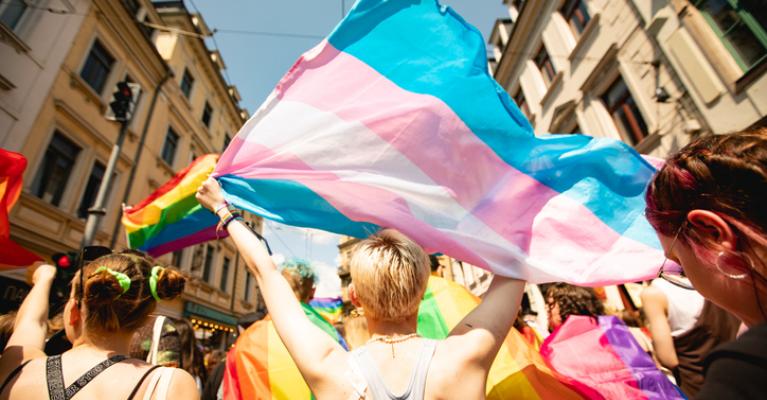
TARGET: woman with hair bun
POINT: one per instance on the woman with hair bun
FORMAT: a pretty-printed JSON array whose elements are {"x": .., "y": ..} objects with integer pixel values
[
  {"x": 107, "y": 304},
  {"x": 708, "y": 205}
]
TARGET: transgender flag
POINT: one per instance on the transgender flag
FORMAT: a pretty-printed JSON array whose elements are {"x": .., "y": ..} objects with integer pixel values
[{"x": 393, "y": 121}]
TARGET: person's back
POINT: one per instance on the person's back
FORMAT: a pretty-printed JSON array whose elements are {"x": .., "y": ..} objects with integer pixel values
[
  {"x": 119, "y": 291},
  {"x": 389, "y": 273}
]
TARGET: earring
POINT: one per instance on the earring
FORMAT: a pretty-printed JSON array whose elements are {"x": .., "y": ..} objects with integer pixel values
[{"x": 739, "y": 275}]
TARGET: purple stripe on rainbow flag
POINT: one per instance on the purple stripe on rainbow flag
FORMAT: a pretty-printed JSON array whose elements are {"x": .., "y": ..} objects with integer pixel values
[{"x": 616, "y": 366}]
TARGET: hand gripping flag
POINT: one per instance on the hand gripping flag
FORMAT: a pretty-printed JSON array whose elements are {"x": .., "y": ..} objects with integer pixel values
[
  {"x": 393, "y": 121},
  {"x": 171, "y": 218},
  {"x": 12, "y": 167}
]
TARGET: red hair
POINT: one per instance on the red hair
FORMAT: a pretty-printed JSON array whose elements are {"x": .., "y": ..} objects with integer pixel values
[{"x": 725, "y": 174}]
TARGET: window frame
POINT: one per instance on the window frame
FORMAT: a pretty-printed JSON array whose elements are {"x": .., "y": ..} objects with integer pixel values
[
  {"x": 39, "y": 184},
  {"x": 542, "y": 61},
  {"x": 168, "y": 134},
  {"x": 186, "y": 85},
  {"x": 633, "y": 133},
  {"x": 21, "y": 17},
  {"x": 746, "y": 17},
  {"x": 207, "y": 113},
  {"x": 224, "y": 281},
  {"x": 94, "y": 193},
  {"x": 110, "y": 67},
  {"x": 575, "y": 6},
  {"x": 207, "y": 263}
]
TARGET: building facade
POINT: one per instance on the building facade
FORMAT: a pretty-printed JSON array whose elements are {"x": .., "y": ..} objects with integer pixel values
[
  {"x": 185, "y": 109},
  {"x": 654, "y": 74}
]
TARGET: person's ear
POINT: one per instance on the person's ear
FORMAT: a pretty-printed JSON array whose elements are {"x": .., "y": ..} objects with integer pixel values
[
  {"x": 74, "y": 313},
  {"x": 713, "y": 229},
  {"x": 353, "y": 296}
]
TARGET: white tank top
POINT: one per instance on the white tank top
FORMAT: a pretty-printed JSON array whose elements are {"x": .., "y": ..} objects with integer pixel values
[{"x": 684, "y": 306}]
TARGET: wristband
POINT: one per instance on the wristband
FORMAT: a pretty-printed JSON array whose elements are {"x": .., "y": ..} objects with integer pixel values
[{"x": 221, "y": 207}]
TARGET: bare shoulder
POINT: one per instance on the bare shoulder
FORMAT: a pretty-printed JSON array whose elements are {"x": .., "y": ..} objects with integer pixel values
[
  {"x": 652, "y": 294},
  {"x": 183, "y": 385}
]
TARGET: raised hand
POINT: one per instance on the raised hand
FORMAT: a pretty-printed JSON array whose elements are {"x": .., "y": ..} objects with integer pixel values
[{"x": 210, "y": 195}]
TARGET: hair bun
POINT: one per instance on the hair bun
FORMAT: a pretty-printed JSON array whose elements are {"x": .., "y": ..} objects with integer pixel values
[
  {"x": 101, "y": 288},
  {"x": 170, "y": 283}
]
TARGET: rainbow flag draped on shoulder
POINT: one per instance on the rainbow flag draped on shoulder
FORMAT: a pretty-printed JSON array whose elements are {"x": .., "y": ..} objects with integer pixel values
[
  {"x": 171, "y": 218},
  {"x": 394, "y": 121},
  {"x": 518, "y": 371}
]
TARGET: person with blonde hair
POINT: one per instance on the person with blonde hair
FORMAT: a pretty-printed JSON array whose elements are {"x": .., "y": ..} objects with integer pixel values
[
  {"x": 110, "y": 298},
  {"x": 389, "y": 273}
]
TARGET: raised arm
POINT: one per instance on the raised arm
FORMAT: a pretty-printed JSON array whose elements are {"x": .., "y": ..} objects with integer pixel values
[
  {"x": 308, "y": 345},
  {"x": 487, "y": 326},
  {"x": 655, "y": 305},
  {"x": 31, "y": 326}
]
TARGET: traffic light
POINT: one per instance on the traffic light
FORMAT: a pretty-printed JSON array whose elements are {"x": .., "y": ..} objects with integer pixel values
[
  {"x": 66, "y": 266},
  {"x": 123, "y": 101}
]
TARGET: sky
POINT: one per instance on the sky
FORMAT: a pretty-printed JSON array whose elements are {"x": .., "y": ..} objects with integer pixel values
[{"x": 259, "y": 40}]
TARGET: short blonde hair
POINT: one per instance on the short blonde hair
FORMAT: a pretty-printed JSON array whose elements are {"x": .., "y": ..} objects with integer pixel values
[{"x": 390, "y": 273}]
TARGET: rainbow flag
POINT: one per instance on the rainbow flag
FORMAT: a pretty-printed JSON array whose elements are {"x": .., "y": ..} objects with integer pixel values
[
  {"x": 601, "y": 359},
  {"x": 263, "y": 367},
  {"x": 518, "y": 371},
  {"x": 12, "y": 167},
  {"x": 171, "y": 218},
  {"x": 329, "y": 307},
  {"x": 393, "y": 121}
]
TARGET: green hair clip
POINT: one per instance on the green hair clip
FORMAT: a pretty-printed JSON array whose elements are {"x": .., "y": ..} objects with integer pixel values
[
  {"x": 153, "y": 281},
  {"x": 122, "y": 279}
]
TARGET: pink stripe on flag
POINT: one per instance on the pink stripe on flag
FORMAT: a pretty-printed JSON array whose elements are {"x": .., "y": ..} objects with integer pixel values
[
  {"x": 355, "y": 200},
  {"x": 351, "y": 199}
]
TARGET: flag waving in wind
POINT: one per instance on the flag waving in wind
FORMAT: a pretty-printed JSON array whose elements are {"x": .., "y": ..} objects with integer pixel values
[{"x": 394, "y": 121}]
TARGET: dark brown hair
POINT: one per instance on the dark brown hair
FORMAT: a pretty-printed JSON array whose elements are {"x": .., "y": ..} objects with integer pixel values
[
  {"x": 575, "y": 300},
  {"x": 111, "y": 310},
  {"x": 725, "y": 174}
]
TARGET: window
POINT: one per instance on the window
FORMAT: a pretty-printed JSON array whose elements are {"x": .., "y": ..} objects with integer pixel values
[
  {"x": 132, "y": 6},
  {"x": 521, "y": 101},
  {"x": 741, "y": 27},
  {"x": 170, "y": 146},
  {"x": 224, "y": 275},
  {"x": 97, "y": 66},
  {"x": 91, "y": 189},
  {"x": 247, "y": 286},
  {"x": 625, "y": 112},
  {"x": 186, "y": 83},
  {"x": 11, "y": 12},
  {"x": 576, "y": 14},
  {"x": 543, "y": 61},
  {"x": 178, "y": 258},
  {"x": 54, "y": 172},
  {"x": 207, "y": 112},
  {"x": 209, "y": 253}
]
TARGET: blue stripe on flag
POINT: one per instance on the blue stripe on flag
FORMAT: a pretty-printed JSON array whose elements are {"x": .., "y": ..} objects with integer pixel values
[
  {"x": 428, "y": 49},
  {"x": 291, "y": 203}
]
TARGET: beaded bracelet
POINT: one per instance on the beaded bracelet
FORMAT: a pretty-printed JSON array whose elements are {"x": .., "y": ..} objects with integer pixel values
[{"x": 230, "y": 218}]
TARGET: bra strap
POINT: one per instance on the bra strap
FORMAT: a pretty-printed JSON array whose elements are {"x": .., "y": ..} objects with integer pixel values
[
  {"x": 91, "y": 374},
  {"x": 54, "y": 376},
  {"x": 140, "y": 381}
]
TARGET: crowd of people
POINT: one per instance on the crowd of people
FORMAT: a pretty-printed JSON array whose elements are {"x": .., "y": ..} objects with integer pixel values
[{"x": 704, "y": 324}]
